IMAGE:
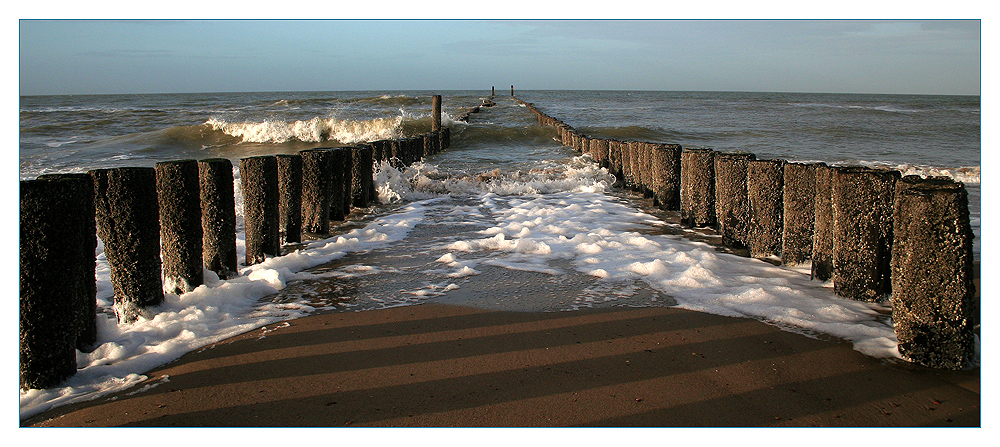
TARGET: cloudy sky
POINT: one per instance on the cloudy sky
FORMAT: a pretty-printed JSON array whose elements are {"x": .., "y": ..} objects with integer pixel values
[{"x": 169, "y": 56}]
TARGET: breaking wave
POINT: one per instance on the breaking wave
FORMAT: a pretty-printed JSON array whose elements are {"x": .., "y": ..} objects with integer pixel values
[{"x": 314, "y": 130}]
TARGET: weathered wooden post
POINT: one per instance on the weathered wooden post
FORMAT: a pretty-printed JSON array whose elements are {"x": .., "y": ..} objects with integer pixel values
[
  {"x": 362, "y": 181},
  {"x": 599, "y": 151},
  {"x": 341, "y": 167},
  {"x": 290, "y": 193},
  {"x": 398, "y": 151},
  {"x": 665, "y": 171},
  {"x": 822, "y": 254},
  {"x": 933, "y": 309},
  {"x": 53, "y": 242},
  {"x": 765, "y": 179},
  {"x": 644, "y": 166},
  {"x": 179, "y": 198},
  {"x": 618, "y": 157},
  {"x": 798, "y": 211},
  {"x": 862, "y": 231},
  {"x": 317, "y": 183},
  {"x": 376, "y": 151},
  {"x": 731, "y": 205},
  {"x": 128, "y": 222},
  {"x": 348, "y": 181},
  {"x": 81, "y": 193},
  {"x": 218, "y": 216},
  {"x": 436, "y": 113},
  {"x": 698, "y": 187},
  {"x": 445, "y": 136},
  {"x": 493, "y": 91},
  {"x": 259, "y": 176},
  {"x": 628, "y": 165},
  {"x": 512, "y": 90}
]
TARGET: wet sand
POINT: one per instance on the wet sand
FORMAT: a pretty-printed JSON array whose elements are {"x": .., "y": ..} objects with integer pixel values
[{"x": 434, "y": 365}]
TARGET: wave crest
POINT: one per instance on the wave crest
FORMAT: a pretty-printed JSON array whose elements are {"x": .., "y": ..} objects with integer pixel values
[
  {"x": 314, "y": 130},
  {"x": 965, "y": 174}
]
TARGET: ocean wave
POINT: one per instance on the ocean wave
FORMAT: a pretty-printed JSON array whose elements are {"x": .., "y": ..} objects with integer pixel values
[
  {"x": 314, "y": 130},
  {"x": 965, "y": 174}
]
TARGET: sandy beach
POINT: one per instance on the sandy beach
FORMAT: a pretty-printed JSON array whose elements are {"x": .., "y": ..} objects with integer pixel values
[{"x": 451, "y": 366}]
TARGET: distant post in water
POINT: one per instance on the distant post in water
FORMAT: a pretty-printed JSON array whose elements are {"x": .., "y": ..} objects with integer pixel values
[
  {"x": 933, "y": 308},
  {"x": 218, "y": 216},
  {"x": 53, "y": 241},
  {"x": 493, "y": 91},
  {"x": 436, "y": 113},
  {"x": 259, "y": 176},
  {"x": 177, "y": 189},
  {"x": 128, "y": 222},
  {"x": 512, "y": 90}
]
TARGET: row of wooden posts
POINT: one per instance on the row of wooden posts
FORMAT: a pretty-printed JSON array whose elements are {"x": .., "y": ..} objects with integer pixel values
[
  {"x": 874, "y": 232},
  {"x": 162, "y": 226}
]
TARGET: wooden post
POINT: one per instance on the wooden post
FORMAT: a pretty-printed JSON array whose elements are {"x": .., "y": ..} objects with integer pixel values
[
  {"x": 290, "y": 193},
  {"x": 798, "y": 212},
  {"x": 128, "y": 222},
  {"x": 822, "y": 254},
  {"x": 512, "y": 90},
  {"x": 862, "y": 232},
  {"x": 259, "y": 177},
  {"x": 436, "y": 114},
  {"x": 599, "y": 150},
  {"x": 698, "y": 187},
  {"x": 348, "y": 181},
  {"x": 666, "y": 175},
  {"x": 86, "y": 265},
  {"x": 218, "y": 216},
  {"x": 933, "y": 309},
  {"x": 361, "y": 176},
  {"x": 340, "y": 166},
  {"x": 179, "y": 198},
  {"x": 56, "y": 252},
  {"x": 731, "y": 205},
  {"x": 765, "y": 179},
  {"x": 445, "y": 136},
  {"x": 317, "y": 176}
]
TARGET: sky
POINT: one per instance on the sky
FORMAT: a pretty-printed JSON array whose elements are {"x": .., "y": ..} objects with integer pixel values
[{"x": 179, "y": 56}]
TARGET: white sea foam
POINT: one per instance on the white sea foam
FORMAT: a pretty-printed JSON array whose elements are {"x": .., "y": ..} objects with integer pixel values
[
  {"x": 551, "y": 216},
  {"x": 965, "y": 174},
  {"x": 600, "y": 237},
  {"x": 315, "y": 130},
  {"x": 214, "y": 311}
]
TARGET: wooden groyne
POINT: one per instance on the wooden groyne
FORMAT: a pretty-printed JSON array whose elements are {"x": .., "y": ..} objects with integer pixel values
[
  {"x": 872, "y": 232},
  {"x": 161, "y": 226}
]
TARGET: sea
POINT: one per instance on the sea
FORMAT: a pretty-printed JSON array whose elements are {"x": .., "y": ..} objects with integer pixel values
[{"x": 507, "y": 218}]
